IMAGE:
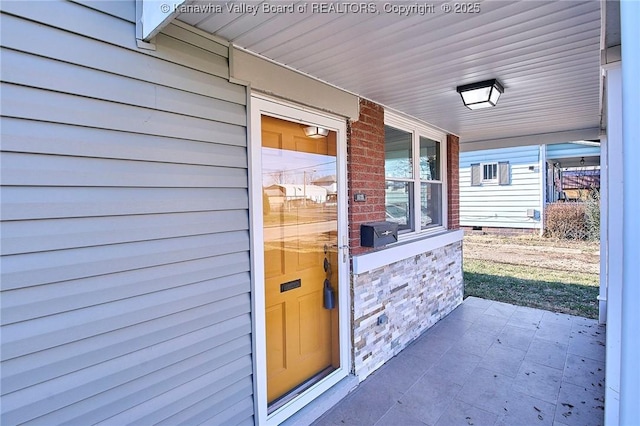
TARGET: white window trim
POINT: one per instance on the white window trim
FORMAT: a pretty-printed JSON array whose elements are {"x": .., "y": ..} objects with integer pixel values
[
  {"x": 493, "y": 181},
  {"x": 417, "y": 129}
]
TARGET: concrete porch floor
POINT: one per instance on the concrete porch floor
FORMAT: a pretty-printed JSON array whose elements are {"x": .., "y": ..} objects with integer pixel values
[{"x": 487, "y": 363}]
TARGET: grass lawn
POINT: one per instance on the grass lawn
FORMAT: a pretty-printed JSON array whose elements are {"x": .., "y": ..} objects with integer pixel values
[{"x": 551, "y": 289}]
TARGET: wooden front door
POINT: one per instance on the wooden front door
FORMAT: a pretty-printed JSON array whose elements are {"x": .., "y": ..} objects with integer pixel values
[{"x": 300, "y": 254}]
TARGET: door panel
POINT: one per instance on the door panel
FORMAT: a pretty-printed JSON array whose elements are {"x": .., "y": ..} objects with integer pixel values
[
  {"x": 276, "y": 362},
  {"x": 310, "y": 307},
  {"x": 300, "y": 232}
]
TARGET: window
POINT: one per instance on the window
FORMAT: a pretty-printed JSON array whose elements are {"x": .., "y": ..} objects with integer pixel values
[
  {"x": 414, "y": 171},
  {"x": 490, "y": 173}
]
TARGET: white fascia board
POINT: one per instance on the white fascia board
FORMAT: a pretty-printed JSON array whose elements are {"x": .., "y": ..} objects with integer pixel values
[
  {"x": 538, "y": 139},
  {"x": 155, "y": 15}
]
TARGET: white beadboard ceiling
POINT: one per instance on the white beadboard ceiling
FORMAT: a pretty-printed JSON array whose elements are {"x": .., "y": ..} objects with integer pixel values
[{"x": 545, "y": 53}]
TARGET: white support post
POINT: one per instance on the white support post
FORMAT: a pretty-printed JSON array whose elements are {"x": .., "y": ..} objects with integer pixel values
[
  {"x": 542, "y": 167},
  {"x": 630, "y": 364},
  {"x": 604, "y": 228},
  {"x": 611, "y": 246}
]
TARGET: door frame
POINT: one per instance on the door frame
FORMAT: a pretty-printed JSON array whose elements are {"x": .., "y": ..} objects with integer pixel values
[{"x": 259, "y": 105}]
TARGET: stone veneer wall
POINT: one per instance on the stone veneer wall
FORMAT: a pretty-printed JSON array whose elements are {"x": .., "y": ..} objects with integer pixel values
[{"x": 413, "y": 293}]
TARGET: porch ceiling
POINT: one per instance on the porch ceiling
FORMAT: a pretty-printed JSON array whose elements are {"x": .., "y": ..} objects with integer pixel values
[{"x": 545, "y": 53}]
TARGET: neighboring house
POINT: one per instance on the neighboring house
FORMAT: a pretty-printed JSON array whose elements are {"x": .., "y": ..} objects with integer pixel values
[
  {"x": 572, "y": 170},
  {"x": 578, "y": 184},
  {"x": 505, "y": 190},
  {"x": 291, "y": 194}
]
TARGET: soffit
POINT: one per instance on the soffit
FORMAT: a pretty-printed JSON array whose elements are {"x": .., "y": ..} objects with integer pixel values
[{"x": 545, "y": 53}]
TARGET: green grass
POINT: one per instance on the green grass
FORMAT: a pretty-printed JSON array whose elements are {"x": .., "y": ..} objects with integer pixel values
[{"x": 568, "y": 292}]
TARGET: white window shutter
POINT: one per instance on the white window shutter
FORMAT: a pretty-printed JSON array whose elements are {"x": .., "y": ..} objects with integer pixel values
[
  {"x": 476, "y": 175},
  {"x": 503, "y": 173}
]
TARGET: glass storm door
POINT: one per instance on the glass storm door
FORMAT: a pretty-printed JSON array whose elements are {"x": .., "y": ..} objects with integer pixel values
[{"x": 299, "y": 191}]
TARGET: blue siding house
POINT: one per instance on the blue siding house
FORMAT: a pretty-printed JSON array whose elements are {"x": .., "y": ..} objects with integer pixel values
[{"x": 506, "y": 189}]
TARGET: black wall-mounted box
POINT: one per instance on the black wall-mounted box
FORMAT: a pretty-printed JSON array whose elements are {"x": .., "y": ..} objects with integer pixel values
[{"x": 378, "y": 234}]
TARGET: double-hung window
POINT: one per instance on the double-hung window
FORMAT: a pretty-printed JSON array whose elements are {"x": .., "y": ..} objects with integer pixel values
[{"x": 415, "y": 165}]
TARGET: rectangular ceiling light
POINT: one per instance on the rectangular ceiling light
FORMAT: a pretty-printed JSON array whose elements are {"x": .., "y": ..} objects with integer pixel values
[{"x": 479, "y": 95}]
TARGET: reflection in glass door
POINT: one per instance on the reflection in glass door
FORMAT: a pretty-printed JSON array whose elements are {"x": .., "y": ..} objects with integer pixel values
[{"x": 299, "y": 189}]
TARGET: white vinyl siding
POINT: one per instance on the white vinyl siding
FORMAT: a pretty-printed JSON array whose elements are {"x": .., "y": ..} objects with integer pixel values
[
  {"x": 126, "y": 293},
  {"x": 503, "y": 203}
]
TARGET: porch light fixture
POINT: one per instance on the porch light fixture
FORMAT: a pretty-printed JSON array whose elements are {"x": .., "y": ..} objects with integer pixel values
[
  {"x": 315, "y": 132},
  {"x": 483, "y": 94}
]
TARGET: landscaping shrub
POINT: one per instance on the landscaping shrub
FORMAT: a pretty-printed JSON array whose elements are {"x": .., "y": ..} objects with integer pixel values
[
  {"x": 592, "y": 212},
  {"x": 566, "y": 221}
]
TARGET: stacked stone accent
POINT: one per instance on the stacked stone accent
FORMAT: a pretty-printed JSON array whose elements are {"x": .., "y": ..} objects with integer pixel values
[{"x": 413, "y": 294}]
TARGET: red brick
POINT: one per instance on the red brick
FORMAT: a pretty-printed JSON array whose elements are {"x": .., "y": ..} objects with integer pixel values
[{"x": 453, "y": 176}]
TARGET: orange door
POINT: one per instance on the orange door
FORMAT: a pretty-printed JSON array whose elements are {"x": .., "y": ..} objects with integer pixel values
[{"x": 300, "y": 240}]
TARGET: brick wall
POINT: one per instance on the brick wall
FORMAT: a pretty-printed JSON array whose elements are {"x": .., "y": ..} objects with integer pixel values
[
  {"x": 453, "y": 181},
  {"x": 365, "y": 170},
  {"x": 410, "y": 295}
]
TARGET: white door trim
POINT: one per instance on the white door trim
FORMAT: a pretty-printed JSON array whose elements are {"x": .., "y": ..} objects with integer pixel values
[{"x": 264, "y": 105}]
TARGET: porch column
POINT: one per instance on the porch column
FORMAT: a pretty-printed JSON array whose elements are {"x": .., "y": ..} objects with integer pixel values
[
  {"x": 630, "y": 367},
  {"x": 604, "y": 228},
  {"x": 611, "y": 238},
  {"x": 542, "y": 167}
]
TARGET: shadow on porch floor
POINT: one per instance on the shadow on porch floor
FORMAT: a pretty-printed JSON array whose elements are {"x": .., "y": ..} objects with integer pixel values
[{"x": 487, "y": 363}]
